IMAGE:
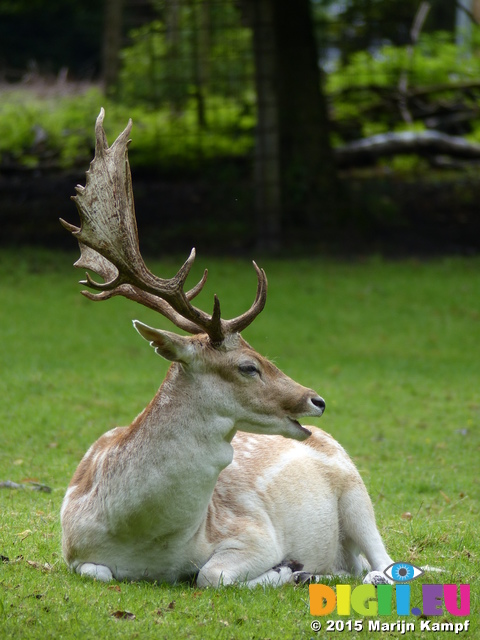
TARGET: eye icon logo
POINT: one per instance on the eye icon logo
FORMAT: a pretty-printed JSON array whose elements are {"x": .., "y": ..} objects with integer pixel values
[{"x": 403, "y": 572}]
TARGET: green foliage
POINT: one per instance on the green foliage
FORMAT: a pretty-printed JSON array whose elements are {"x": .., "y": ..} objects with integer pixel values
[
  {"x": 197, "y": 50},
  {"x": 187, "y": 82},
  {"x": 364, "y": 92},
  {"x": 54, "y": 131},
  {"x": 66, "y": 139},
  {"x": 436, "y": 59},
  {"x": 392, "y": 348},
  {"x": 144, "y": 72},
  {"x": 358, "y": 25}
]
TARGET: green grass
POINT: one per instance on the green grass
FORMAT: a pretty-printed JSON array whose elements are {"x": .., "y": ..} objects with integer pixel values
[{"x": 392, "y": 347}]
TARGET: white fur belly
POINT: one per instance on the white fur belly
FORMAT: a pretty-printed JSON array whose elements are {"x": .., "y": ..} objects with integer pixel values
[{"x": 158, "y": 560}]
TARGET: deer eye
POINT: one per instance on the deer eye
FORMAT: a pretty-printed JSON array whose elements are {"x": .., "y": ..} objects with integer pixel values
[{"x": 248, "y": 369}]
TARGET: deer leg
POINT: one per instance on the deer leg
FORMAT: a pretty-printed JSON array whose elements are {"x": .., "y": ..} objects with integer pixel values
[
  {"x": 361, "y": 534},
  {"x": 231, "y": 566}
]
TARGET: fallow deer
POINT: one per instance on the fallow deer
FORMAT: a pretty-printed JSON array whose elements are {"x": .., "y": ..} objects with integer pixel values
[{"x": 216, "y": 479}]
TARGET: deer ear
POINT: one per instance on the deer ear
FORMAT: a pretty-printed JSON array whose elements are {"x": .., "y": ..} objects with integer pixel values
[{"x": 167, "y": 344}]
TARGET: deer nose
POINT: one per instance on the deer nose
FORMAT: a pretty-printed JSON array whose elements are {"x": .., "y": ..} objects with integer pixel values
[{"x": 319, "y": 403}]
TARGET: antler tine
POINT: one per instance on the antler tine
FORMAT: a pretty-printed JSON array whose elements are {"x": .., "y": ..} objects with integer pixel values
[
  {"x": 236, "y": 325},
  {"x": 194, "y": 291}
]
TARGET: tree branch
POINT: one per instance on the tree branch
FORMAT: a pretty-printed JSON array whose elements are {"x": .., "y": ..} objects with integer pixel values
[{"x": 429, "y": 143}]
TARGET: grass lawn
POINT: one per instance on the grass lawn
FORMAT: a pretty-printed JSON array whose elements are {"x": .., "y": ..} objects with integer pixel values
[{"x": 392, "y": 347}]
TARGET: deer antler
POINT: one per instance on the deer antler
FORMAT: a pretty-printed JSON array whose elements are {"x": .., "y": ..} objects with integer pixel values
[{"x": 109, "y": 247}]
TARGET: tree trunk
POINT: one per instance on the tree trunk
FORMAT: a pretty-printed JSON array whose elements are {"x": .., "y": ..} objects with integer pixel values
[
  {"x": 173, "y": 62},
  {"x": 112, "y": 42},
  {"x": 295, "y": 167},
  {"x": 201, "y": 49},
  {"x": 267, "y": 151},
  {"x": 307, "y": 162}
]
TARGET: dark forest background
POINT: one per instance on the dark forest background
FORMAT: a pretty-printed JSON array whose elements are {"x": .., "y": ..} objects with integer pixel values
[{"x": 334, "y": 126}]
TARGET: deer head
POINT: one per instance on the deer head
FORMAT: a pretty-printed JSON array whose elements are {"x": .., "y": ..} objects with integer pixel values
[{"x": 108, "y": 240}]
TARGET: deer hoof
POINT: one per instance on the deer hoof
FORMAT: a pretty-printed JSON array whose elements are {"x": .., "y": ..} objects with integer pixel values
[
  {"x": 95, "y": 571},
  {"x": 377, "y": 577},
  {"x": 303, "y": 577}
]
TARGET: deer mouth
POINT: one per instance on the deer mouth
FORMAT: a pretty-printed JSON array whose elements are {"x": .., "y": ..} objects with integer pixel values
[{"x": 303, "y": 430}]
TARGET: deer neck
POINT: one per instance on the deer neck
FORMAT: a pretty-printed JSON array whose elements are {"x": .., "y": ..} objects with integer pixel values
[
  {"x": 184, "y": 431},
  {"x": 172, "y": 456}
]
